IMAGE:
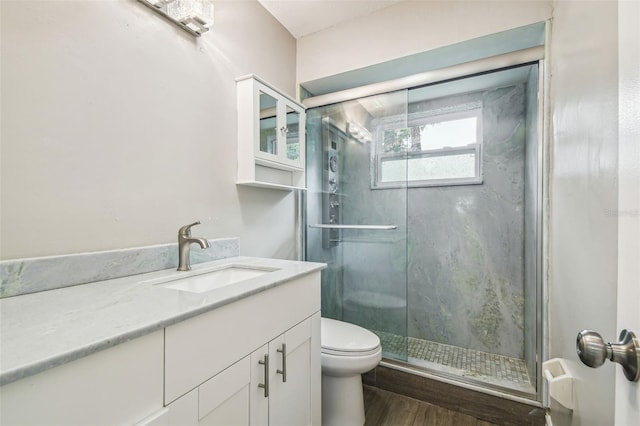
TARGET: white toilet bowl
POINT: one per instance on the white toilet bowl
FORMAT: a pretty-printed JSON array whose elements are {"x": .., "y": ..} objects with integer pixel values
[{"x": 347, "y": 352}]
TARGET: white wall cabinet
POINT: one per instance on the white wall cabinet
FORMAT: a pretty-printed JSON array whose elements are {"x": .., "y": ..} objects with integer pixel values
[{"x": 271, "y": 136}]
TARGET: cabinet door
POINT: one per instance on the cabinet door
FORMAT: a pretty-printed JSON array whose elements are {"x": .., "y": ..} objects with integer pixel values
[
  {"x": 184, "y": 410},
  {"x": 268, "y": 144},
  {"x": 288, "y": 357},
  {"x": 292, "y": 133},
  {"x": 290, "y": 393},
  {"x": 159, "y": 418},
  {"x": 224, "y": 399},
  {"x": 280, "y": 129},
  {"x": 221, "y": 400}
]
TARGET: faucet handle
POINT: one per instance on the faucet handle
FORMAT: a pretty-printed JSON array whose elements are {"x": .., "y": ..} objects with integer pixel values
[{"x": 186, "y": 229}]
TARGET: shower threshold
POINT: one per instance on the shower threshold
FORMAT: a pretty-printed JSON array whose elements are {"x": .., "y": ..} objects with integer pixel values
[{"x": 481, "y": 367}]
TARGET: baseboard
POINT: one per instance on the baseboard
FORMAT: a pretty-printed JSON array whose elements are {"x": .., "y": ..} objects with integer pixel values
[{"x": 480, "y": 405}]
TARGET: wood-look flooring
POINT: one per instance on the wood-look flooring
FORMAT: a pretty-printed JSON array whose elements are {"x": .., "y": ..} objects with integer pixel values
[
  {"x": 384, "y": 408},
  {"x": 479, "y": 405}
]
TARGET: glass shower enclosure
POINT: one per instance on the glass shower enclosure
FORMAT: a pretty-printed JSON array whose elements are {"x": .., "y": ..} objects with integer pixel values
[{"x": 425, "y": 205}]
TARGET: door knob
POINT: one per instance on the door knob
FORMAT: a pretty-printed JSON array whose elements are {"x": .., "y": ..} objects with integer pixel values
[{"x": 593, "y": 351}]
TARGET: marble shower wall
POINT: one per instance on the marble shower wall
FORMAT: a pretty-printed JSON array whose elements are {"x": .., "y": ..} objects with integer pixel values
[
  {"x": 465, "y": 243},
  {"x": 454, "y": 270}
]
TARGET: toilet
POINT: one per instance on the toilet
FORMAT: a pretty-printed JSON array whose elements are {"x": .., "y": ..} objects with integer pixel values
[{"x": 347, "y": 351}]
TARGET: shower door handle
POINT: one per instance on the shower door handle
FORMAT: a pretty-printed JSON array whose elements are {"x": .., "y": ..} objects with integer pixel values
[
  {"x": 593, "y": 351},
  {"x": 360, "y": 227}
]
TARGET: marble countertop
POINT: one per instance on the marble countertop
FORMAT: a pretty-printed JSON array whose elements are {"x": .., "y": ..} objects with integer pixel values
[{"x": 43, "y": 330}]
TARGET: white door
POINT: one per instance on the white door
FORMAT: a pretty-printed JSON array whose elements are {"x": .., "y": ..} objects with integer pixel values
[
  {"x": 593, "y": 218},
  {"x": 627, "y": 394}
]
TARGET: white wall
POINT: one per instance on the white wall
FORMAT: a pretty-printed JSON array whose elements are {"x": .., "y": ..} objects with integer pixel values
[
  {"x": 118, "y": 127},
  {"x": 583, "y": 190},
  {"x": 407, "y": 28}
]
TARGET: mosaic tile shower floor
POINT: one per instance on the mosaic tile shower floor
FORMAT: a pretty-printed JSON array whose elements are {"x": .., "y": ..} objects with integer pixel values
[{"x": 486, "y": 367}]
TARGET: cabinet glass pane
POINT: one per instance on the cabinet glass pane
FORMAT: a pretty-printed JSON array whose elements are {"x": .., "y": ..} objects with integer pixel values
[
  {"x": 268, "y": 136},
  {"x": 293, "y": 139}
]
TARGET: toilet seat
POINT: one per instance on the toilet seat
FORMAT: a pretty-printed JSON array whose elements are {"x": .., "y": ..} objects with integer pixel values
[
  {"x": 349, "y": 340},
  {"x": 351, "y": 353}
]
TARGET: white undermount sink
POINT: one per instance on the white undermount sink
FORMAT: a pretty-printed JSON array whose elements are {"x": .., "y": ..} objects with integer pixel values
[{"x": 204, "y": 281}]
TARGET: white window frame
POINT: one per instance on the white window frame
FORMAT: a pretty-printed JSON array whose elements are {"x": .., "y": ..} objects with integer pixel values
[{"x": 421, "y": 119}]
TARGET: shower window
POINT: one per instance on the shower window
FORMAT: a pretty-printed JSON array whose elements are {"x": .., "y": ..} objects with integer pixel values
[{"x": 436, "y": 149}]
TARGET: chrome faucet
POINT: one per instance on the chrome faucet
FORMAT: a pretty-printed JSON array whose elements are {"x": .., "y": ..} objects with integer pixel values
[{"x": 184, "y": 246}]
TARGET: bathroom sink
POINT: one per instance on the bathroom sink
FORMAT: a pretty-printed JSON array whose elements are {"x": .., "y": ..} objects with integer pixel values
[{"x": 205, "y": 281}]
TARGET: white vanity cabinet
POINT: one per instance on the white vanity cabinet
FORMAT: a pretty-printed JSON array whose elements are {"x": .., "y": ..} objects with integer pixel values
[
  {"x": 271, "y": 136},
  {"x": 119, "y": 385},
  {"x": 204, "y": 370},
  {"x": 215, "y": 365}
]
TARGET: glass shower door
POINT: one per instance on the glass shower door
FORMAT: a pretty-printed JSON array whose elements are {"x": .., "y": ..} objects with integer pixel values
[
  {"x": 425, "y": 204},
  {"x": 358, "y": 231},
  {"x": 472, "y": 204}
]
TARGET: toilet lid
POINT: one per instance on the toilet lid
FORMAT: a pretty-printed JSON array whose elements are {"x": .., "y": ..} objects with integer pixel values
[{"x": 345, "y": 337}]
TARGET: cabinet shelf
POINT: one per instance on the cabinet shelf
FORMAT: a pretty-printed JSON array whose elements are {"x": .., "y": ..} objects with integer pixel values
[{"x": 258, "y": 184}]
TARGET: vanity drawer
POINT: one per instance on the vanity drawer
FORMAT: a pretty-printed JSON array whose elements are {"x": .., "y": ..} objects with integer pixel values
[{"x": 201, "y": 347}]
